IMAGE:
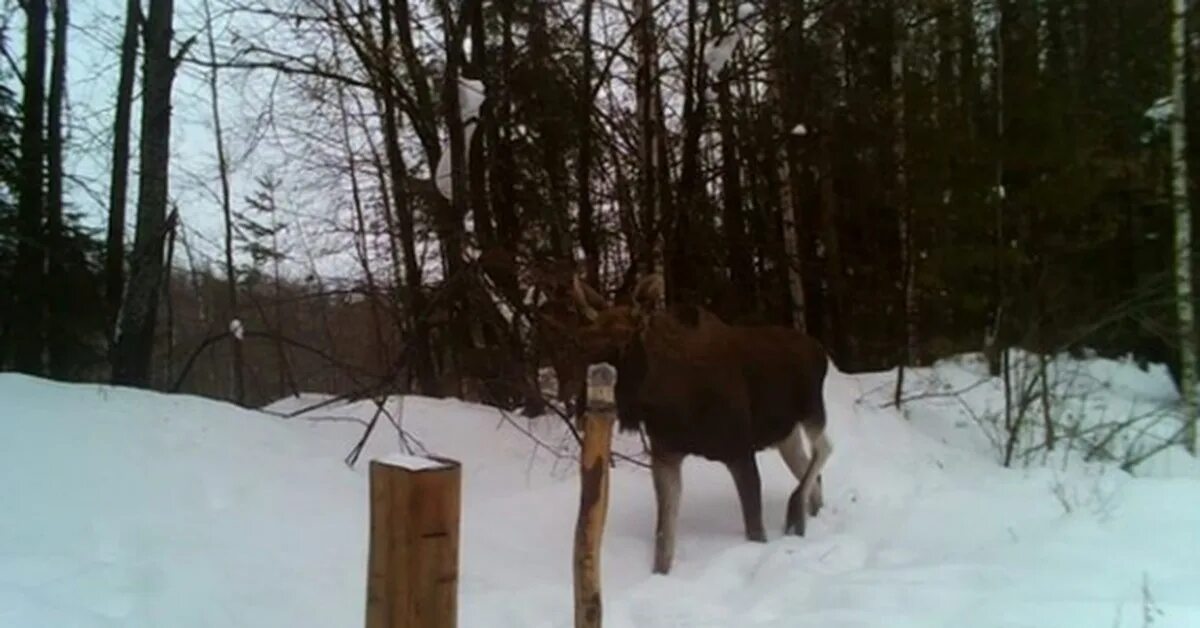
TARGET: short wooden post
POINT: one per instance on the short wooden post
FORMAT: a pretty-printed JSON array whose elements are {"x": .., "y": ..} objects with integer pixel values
[
  {"x": 412, "y": 564},
  {"x": 593, "y": 494}
]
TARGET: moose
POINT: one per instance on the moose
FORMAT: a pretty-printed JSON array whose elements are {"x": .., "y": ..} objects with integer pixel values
[{"x": 700, "y": 386}]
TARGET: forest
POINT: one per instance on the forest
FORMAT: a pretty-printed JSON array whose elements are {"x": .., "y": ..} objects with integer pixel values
[{"x": 396, "y": 194}]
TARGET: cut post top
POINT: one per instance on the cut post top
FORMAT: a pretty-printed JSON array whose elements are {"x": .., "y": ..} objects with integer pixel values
[
  {"x": 601, "y": 380},
  {"x": 416, "y": 463}
]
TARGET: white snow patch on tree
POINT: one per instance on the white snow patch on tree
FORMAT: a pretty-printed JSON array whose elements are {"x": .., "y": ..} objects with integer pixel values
[
  {"x": 445, "y": 178},
  {"x": 800, "y": 130},
  {"x": 718, "y": 56},
  {"x": 1160, "y": 111},
  {"x": 236, "y": 328},
  {"x": 471, "y": 94}
]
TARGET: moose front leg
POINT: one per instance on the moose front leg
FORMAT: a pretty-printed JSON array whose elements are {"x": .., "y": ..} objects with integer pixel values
[
  {"x": 749, "y": 488},
  {"x": 666, "y": 467}
]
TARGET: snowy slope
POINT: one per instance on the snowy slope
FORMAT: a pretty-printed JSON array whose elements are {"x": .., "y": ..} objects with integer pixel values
[{"x": 128, "y": 508}]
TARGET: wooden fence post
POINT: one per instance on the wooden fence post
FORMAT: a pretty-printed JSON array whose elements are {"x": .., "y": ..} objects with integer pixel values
[
  {"x": 593, "y": 494},
  {"x": 412, "y": 564}
]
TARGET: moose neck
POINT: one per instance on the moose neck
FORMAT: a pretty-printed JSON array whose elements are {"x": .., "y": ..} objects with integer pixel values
[{"x": 631, "y": 372}]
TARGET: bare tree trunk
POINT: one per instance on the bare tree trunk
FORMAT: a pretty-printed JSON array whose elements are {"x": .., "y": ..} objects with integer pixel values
[
  {"x": 481, "y": 209},
  {"x": 550, "y": 130},
  {"x": 237, "y": 368},
  {"x": 360, "y": 236},
  {"x": 168, "y": 294},
  {"x": 782, "y": 136},
  {"x": 994, "y": 341},
  {"x": 420, "y": 354},
  {"x": 649, "y": 127},
  {"x": 389, "y": 220},
  {"x": 827, "y": 199},
  {"x": 133, "y": 352},
  {"x": 681, "y": 261},
  {"x": 738, "y": 251},
  {"x": 451, "y": 222},
  {"x": 57, "y": 335},
  {"x": 114, "y": 255},
  {"x": 29, "y": 306},
  {"x": 902, "y": 202},
  {"x": 1184, "y": 300},
  {"x": 503, "y": 169},
  {"x": 587, "y": 227}
]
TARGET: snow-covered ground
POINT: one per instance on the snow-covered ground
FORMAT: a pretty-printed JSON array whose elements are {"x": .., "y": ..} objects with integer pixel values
[{"x": 127, "y": 508}]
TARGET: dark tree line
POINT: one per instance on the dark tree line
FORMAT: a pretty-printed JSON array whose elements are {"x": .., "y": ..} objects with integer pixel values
[{"x": 903, "y": 179}]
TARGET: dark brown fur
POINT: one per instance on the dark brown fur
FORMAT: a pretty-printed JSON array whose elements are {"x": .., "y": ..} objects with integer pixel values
[{"x": 699, "y": 386}]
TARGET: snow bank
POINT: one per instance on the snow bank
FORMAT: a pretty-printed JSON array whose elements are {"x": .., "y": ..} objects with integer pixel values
[{"x": 128, "y": 508}]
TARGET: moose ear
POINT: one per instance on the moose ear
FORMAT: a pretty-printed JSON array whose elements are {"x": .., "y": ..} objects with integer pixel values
[
  {"x": 588, "y": 300},
  {"x": 649, "y": 292}
]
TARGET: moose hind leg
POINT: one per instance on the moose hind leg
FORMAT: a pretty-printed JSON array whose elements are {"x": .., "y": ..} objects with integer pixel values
[
  {"x": 749, "y": 489},
  {"x": 810, "y": 482},
  {"x": 795, "y": 456},
  {"x": 668, "y": 485}
]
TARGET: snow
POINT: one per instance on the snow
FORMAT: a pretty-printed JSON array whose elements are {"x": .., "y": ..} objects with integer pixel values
[
  {"x": 1161, "y": 111},
  {"x": 236, "y": 328},
  {"x": 717, "y": 56},
  {"x": 445, "y": 177},
  {"x": 133, "y": 508},
  {"x": 471, "y": 94},
  {"x": 800, "y": 130},
  {"x": 412, "y": 463}
]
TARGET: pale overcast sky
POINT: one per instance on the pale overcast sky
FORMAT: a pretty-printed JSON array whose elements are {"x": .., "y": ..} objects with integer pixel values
[{"x": 93, "y": 72}]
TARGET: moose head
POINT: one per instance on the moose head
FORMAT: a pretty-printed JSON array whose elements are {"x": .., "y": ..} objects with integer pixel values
[{"x": 609, "y": 330}]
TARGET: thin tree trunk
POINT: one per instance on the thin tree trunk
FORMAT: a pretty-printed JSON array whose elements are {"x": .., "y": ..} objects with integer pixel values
[
  {"x": 421, "y": 354},
  {"x": 503, "y": 169},
  {"x": 451, "y": 231},
  {"x": 550, "y": 130},
  {"x": 133, "y": 353},
  {"x": 360, "y": 237},
  {"x": 237, "y": 368},
  {"x": 782, "y": 137},
  {"x": 478, "y": 148},
  {"x": 648, "y": 127},
  {"x": 902, "y": 203},
  {"x": 114, "y": 255},
  {"x": 57, "y": 336},
  {"x": 1184, "y": 300},
  {"x": 994, "y": 340},
  {"x": 168, "y": 294},
  {"x": 29, "y": 306},
  {"x": 827, "y": 198},
  {"x": 739, "y": 257},
  {"x": 681, "y": 254},
  {"x": 389, "y": 220},
  {"x": 587, "y": 227}
]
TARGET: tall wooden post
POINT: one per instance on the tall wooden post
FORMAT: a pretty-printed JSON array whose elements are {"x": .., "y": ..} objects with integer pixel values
[
  {"x": 593, "y": 494},
  {"x": 412, "y": 565}
]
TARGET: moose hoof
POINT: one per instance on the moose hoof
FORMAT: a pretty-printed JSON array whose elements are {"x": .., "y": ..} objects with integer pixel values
[
  {"x": 816, "y": 499},
  {"x": 757, "y": 536},
  {"x": 795, "y": 527},
  {"x": 662, "y": 568}
]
